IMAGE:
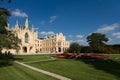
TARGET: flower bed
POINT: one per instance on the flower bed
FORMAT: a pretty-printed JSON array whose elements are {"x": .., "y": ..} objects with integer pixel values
[
  {"x": 66, "y": 55},
  {"x": 82, "y": 55},
  {"x": 93, "y": 56},
  {"x": 62, "y": 55}
]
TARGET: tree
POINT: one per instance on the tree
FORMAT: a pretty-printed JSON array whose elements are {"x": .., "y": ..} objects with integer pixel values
[
  {"x": 97, "y": 41},
  {"x": 9, "y": 1},
  {"x": 86, "y": 49},
  {"x": 8, "y": 39},
  {"x": 115, "y": 47},
  {"x": 74, "y": 48},
  {"x": 4, "y": 14}
]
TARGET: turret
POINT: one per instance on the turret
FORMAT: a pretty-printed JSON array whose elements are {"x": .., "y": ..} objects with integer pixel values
[
  {"x": 26, "y": 23},
  {"x": 33, "y": 28},
  {"x": 16, "y": 25}
]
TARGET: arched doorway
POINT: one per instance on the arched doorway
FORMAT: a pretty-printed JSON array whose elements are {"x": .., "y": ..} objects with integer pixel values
[
  {"x": 30, "y": 49},
  {"x": 25, "y": 49},
  {"x": 59, "y": 49}
]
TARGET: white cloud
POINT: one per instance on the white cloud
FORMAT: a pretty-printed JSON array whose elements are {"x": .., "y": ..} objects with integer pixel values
[
  {"x": 117, "y": 34},
  {"x": 81, "y": 42},
  {"x": 71, "y": 41},
  {"x": 52, "y": 19},
  {"x": 70, "y": 36},
  {"x": 79, "y": 36},
  {"x": 50, "y": 33},
  {"x": 110, "y": 39},
  {"x": 47, "y": 33},
  {"x": 108, "y": 28},
  {"x": 19, "y": 13}
]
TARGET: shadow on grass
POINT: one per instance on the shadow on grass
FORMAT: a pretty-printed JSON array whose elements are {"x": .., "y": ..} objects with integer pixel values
[
  {"x": 7, "y": 60},
  {"x": 17, "y": 58},
  {"x": 109, "y": 66}
]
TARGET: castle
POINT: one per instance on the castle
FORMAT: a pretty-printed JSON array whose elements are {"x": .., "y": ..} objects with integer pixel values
[{"x": 31, "y": 43}]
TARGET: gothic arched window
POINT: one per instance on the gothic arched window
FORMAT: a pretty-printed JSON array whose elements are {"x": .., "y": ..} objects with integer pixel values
[{"x": 26, "y": 37}]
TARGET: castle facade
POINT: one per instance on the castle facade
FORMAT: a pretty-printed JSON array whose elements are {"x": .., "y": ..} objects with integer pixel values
[{"x": 31, "y": 43}]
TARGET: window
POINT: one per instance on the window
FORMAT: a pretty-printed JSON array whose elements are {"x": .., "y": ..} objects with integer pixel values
[{"x": 26, "y": 37}]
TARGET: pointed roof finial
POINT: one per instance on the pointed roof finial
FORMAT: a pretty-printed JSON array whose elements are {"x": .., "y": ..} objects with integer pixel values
[
  {"x": 32, "y": 27},
  {"x": 26, "y": 22},
  {"x": 16, "y": 22}
]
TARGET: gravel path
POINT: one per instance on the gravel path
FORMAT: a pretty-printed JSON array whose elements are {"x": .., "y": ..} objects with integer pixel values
[{"x": 43, "y": 71}]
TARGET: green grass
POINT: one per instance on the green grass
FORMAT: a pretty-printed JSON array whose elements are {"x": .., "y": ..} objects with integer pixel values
[
  {"x": 26, "y": 58},
  {"x": 84, "y": 69},
  {"x": 74, "y": 69},
  {"x": 18, "y": 72}
]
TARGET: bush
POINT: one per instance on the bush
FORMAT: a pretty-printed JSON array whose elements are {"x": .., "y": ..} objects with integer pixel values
[{"x": 110, "y": 50}]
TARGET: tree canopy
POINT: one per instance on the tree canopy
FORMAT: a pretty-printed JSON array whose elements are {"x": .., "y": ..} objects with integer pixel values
[
  {"x": 9, "y": 1},
  {"x": 74, "y": 48},
  {"x": 4, "y": 14},
  {"x": 97, "y": 40},
  {"x": 8, "y": 39}
]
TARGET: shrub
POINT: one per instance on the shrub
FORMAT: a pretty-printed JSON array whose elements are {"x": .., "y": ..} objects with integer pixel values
[{"x": 110, "y": 50}]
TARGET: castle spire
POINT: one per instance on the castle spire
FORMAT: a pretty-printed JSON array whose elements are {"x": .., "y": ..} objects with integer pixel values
[
  {"x": 32, "y": 27},
  {"x": 26, "y": 22},
  {"x": 16, "y": 23}
]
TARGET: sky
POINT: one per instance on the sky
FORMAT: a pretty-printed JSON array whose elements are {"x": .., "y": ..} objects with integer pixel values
[{"x": 76, "y": 19}]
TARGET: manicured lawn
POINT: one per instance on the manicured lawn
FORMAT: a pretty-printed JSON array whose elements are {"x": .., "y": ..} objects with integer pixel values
[
  {"x": 84, "y": 69},
  {"x": 26, "y": 58},
  {"x": 18, "y": 72},
  {"x": 71, "y": 68}
]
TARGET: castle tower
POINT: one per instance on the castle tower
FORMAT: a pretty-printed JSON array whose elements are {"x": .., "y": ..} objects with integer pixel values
[{"x": 26, "y": 23}]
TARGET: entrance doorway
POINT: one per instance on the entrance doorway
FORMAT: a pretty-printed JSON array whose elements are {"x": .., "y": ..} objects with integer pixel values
[
  {"x": 59, "y": 49},
  {"x": 25, "y": 49},
  {"x": 30, "y": 49}
]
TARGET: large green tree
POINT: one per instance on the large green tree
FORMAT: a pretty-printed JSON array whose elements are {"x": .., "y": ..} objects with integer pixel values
[
  {"x": 4, "y": 14},
  {"x": 74, "y": 48},
  {"x": 97, "y": 41},
  {"x": 8, "y": 39}
]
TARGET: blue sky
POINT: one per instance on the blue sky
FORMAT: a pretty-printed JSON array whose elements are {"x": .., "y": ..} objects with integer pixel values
[{"x": 76, "y": 19}]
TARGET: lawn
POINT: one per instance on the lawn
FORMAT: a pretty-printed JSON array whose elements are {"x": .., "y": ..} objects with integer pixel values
[
  {"x": 71, "y": 68},
  {"x": 27, "y": 58},
  {"x": 17, "y": 72},
  {"x": 83, "y": 69},
  {"x": 12, "y": 71}
]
